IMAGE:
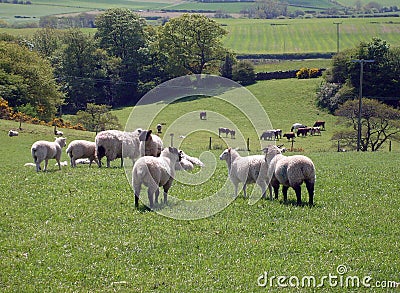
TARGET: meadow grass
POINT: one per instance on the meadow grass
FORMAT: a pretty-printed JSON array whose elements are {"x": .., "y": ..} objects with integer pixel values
[
  {"x": 77, "y": 229},
  {"x": 257, "y": 36},
  {"x": 285, "y": 65}
]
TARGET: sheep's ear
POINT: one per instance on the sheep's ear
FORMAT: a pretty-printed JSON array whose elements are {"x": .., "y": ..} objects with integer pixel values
[
  {"x": 148, "y": 134},
  {"x": 229, "y": 150}
]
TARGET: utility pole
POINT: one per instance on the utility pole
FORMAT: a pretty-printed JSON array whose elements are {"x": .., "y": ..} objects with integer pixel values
[
  {"x": 361, "y": 61},
  {"x": 337, "y": 35}
]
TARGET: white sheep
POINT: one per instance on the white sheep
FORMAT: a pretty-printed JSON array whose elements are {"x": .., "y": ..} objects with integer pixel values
[
  {"x": 12, "y": 133},
  {"x": 187, "y": 162},
  {"x": 154, "y": 172},
  {"x": 290, "y": 171},
  {"x": 78, "y": 149},
  {"x": 150, "y": 144},
  {"x": 249, "y": 169},
  {"x": 43, "y": 150},
  {"x": 112, "y": 143}
]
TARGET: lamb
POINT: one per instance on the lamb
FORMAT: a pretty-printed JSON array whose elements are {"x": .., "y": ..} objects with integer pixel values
[
  {"x": 12, "y": 133},
  {"x": 187, "y": 162},
  {"x": 290, "y": 171},
  {"x": 44, "y": 150},
  {"x": 78, "y": 149},
  {"x": 150, "y": 144},
  {"x": 112, "y": 143},
  {"x": 249, "y": 169},
  {"x": 154, "y": 172}
]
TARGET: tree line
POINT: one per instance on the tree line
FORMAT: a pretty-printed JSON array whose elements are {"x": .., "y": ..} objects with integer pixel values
[{"x": 64, "y": 70}]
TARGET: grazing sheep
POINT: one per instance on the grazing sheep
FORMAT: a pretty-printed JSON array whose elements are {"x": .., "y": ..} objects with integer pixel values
[
  {"x": 319, "y": 123},
  {"x": 78, "y": 149},
  {"x": 43, "y": 150},
  {"x": 296, "y": 126},
  {"x": 249, "y": 169},
  {"x": 111, "y": 143},
  {"x": 290, "y": 171},
  {"x": 289, "y": 135},
  {"x": 268, "y": 135},
  {"x": 150, "y": 144},
  {"x": 203, "y": 115},
  {"x": 154, "y": 172},
  {"x": 12, "y": 133},
  {"x": 223, "y": 130}
]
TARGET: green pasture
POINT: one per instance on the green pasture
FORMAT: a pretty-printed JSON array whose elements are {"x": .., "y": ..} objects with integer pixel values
[
  {"x": 258, "y": 36},
  {"x": 77, "y": 229},
  {"x": 285, "y": 65}
]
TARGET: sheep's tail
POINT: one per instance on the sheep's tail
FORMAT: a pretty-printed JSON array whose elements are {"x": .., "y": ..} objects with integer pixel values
[
  {"x": 34, "y": 155},
  {"x": 69, "y": 151}
]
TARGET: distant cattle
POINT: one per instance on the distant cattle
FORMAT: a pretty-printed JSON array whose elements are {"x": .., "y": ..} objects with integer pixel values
[
  {"x": 203, "y": 115},
  {"x": 224, "y": 130},
  {"x": 289, "y": 135},
  {"x": 319, "y": 123},
  {"x": 296, "y": 126},
  {"x": 303, "y": 131}
]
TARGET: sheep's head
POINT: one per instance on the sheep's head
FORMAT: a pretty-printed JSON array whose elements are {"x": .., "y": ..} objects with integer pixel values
[
  {"x": 62, "y": 141},
  {"x": 225, "y": 154},
  {"x": 145, "y": 135}
]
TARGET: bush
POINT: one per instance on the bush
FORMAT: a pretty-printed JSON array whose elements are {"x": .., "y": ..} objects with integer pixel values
[{"x": 243, "y": 72}]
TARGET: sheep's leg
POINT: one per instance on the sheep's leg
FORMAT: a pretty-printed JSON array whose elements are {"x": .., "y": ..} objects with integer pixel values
[
  {"x": 45, "y": 164},
  {"x": 244, "y": 190},
  {"x": 236, "y": 189},
  {"x": 59, "y": 165},
  {"x": 38, "y": 167},
  {"x": 108, "y": 163},
  {"x": 284, "y": 191},
  {"x": 157, "y": 193},
  {"x": 150, "y": 193},
  {"x": 297, "y": 189},
  {"x": 310, "y": 189},
  {"x": 137, "y": 193},
  {"x": 122, "y": 162},
  {"x": 165, "y": 196}
]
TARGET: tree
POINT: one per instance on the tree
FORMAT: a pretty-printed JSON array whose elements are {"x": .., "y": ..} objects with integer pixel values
[
  {"x": 227, "y": 66},
  {"x": 27, "y": 78},
  {"x": 192, "y": 44},
  {"x": 381, "y": 79},
  {"x": 379, "y": 123},
  {"x": 46, "y": 41},
  {"x": 122, "y": 33},
  {"x": 82, "y": 69},
  {"x": 243, "y": 73},
  {"x": 97, "y": 118}
]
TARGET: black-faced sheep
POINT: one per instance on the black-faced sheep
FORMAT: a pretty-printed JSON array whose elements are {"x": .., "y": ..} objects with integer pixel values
[
  {"x": 154, "y": 172},
  {"x": 290, "y": 171},
  {"x": 249, "y": 169},
  {"x": 43, "y": 150},
  {"x": 79, "y": 149}
]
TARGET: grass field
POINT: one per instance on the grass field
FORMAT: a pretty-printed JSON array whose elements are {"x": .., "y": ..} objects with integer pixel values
[
  {"x": 305, "y": 35},
  {"x": 78, "y": 230}
]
